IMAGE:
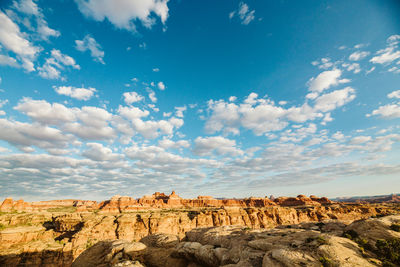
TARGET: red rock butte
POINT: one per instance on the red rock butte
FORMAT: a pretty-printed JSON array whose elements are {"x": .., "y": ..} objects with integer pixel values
[{"x": 159, "y": 201}]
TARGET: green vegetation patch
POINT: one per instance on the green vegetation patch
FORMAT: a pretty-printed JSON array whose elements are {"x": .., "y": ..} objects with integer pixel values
[
  {"x": 388, "y": 251},
  {"x": 63, "y": 209},
  {"x": 395, "y": 227},
  {"x": 326, "y": 262}
]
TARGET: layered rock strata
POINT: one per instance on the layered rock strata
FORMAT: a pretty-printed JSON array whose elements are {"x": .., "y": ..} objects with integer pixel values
[
  {"x": 56, "y": 239},
  {"x": 158, "y": 200}
]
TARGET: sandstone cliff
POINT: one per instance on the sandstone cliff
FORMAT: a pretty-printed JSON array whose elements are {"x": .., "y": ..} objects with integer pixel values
[
  {"x": 118, "y": 204},
  {"x": 57, "y": 238},
  {"x": 306, "y": 244}
]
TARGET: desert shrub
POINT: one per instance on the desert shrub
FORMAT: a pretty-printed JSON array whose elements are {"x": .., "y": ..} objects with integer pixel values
[
  {"x": 89, "y": 243},
  {"x": 63, "y": 209},
  {"x": 2, "y": 226},
  {"x": 350, "y": 234},
  {"x": 395, "y": 227},
  {"x": 326, "y": 262},
  {"x": 320, "y": 240},
  {"x": 388, "y": 251}
]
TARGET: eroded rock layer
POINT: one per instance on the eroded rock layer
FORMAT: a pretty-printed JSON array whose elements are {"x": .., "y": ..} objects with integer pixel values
[
  {"x": 158, "y": 201},
  {"x": 57, "y": 238}
]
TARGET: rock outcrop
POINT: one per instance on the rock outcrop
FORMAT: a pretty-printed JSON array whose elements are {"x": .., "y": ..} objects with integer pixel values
[
  {"x": 306, "y": 244},
  {"x": 118, "y": 204},
  {"x": 62, "y": 236}
]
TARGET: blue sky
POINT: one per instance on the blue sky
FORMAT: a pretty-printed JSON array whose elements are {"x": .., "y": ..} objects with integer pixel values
[{"x": 222, "y": 98}]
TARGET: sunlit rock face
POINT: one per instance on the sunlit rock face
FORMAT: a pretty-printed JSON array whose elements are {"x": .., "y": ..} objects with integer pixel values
[
  {"x": 158, "y": 200},
  {"x": 55, "y": 233}
]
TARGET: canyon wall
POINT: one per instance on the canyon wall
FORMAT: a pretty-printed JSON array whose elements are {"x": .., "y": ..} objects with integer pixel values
[
  {"x": 57, "y": 238},
  {"x": 158, "y": 201}
]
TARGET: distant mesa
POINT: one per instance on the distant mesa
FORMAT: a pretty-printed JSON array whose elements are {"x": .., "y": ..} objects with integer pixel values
[{"x": 159, "y": 200}]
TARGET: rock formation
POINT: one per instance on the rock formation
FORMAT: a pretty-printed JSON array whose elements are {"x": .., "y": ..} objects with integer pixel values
[
  {"x": 57, "y": 238},
  {"x": 118, "y": 204},
  {"x": 305, "y": 244}
]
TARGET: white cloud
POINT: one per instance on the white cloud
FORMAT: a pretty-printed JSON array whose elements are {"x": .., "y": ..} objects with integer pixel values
[
  {"x": 389, "y": 111},
  {"x": 179, "y": 111},
  {"x": 386, "y": 55},
  {"x": 168, "y": 143},
  {"x": 124, "y": 13},
  {"x": 394, "y": 70},
  {"x": 358, "y": 55},
  {"x": 360, "y": 140},
  {"x": 218, "y": 144},
  {"x": 152, "y": 96},
  {"x": 354, "y": 67},
  {"x": 325, "y": 80},
  {"x": 89, "y": 43},
  {"x": 44, "y": 112},
  {"x": 8, "y": 61},
  {"x": 77, "y": 93},
  {"x": 132, "y": 113},
  {"x": 132, "y": 97},
  {"x": 52, "y": 66},
  {"x": 370, "y": 70},
  {"x": 394, "y": 94},
  {"x": 30, "y": 8},
  {"x": 335, "y": 99},
  {"x": 25, "y": 135},
  {"x": 156, "y": 69},
  {"x": 244, "y": 13},
  {"x": 394, "y": 39},
  {"x": 161, "y": 85},
  {"x": 98, "y": 152},
  {"x": 13, "y": 40}
]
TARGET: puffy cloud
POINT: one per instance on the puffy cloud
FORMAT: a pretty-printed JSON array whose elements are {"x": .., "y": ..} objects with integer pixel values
[
  {"x": 123, "y": 13},
  {"x": 8, "y": 61},
  {"x": 13, "y": 40},
  {"x": 51, "y": 67},
  {"x": 90, "y": 123},
  {"x": 325, "y": 80},
  {"x": 262, "y": 115},
  {"x": 151, "y": 128},
  {"x": 89, "y": 43},
  {"x": 77, "y": 93},
  {"x": 335, "y": 99},
  {"x": 161, "y": 85},
  {"x": 324, "y": 63},
  {"x": 44, "y": 112},
  {"x": 30, "y": 8},
  {"x": 354, "y": 67},
  {"x": 217, "y": 144},
  {"x": 358, "y": 55},
  {"x": 394, "y": 94},
  {"x": 168, "y": 143},
  {"x": 244, "y": 13},
  {"x": 132, "y": 113},
  {"x": 98, "y": 152},
  {"x": 25, "y": 135},
  {"x": 386, "y": 55},
  {"x": 389, "y": 111},
  {"x": 132, "y": 97},
  {"x": 360, "y": 140},
  {"x": 152, "y": 96},
  {"x": 179, "y": 111}
]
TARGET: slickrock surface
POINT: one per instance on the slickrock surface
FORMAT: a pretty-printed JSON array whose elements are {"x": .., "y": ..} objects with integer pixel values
[
  {"x": 57, "y": 238},
  {"x": 55, "y": 233},
  {"x": 305, "y": 244}
]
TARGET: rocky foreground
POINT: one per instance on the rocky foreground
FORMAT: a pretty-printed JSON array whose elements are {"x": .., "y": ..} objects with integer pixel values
[
  {"x": 364, "y": 243},
  {"x": 176, "y": 232}
]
